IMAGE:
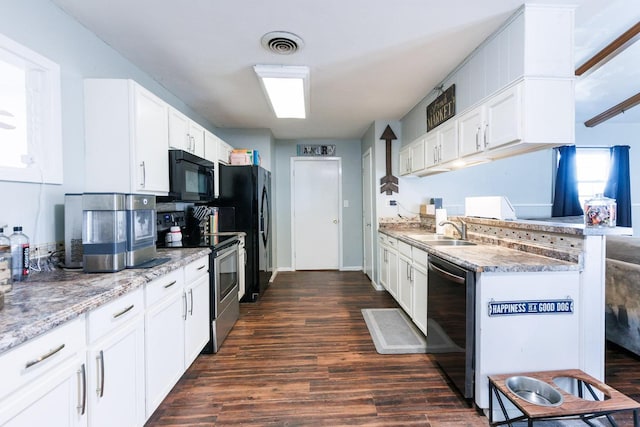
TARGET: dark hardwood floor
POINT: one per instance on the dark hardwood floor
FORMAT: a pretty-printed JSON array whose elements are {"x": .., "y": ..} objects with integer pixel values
[{"x": 302, "y": 356}]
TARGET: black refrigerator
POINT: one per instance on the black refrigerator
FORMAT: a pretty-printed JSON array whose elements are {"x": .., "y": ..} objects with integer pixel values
[{"x": 248, "y": 189}]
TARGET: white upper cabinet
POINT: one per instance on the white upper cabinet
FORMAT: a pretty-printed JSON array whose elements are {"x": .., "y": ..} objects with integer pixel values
[
  {"x": 412, "y": 157},
  {"x": 185, "y": 134},
  {"x": 126, "y": 129},
  {"x": 514, "y": 93}
]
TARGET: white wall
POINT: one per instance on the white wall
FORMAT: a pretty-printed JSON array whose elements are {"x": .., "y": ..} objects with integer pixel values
[{"x": 47, "y": 30}]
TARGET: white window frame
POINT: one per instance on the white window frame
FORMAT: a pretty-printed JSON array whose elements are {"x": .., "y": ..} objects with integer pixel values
[{"x": 43, "y": 162}]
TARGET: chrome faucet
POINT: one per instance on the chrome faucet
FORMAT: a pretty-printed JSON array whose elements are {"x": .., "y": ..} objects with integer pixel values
[{"x": 462, "y": 230}]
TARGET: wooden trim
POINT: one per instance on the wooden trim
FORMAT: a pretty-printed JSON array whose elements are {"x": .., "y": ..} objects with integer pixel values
[
  {"x": 610, "y": 51},
  {"x": 625, "y": 105}
]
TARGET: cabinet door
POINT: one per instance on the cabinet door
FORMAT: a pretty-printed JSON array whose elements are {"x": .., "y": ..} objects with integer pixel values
[
  {"x": 384, "y": 267},
  {"x": 470, "y": 131},
  {"x": 164, "y": 348},
  {"x": 405, "y": 291},
  {"x": 448, "y": 141},
  {"x": 392, "y": 259},
  {"x": 211, "y": 147},
  {"x": 151, "y": 141},
  {"x": 432, "y": 148},
  {"x": 504, "y": 120},
  {"x": 116, "y": 377},
  {"x": 197, "y": 323},
  {"x": 405, "y": 161},
  {"x": 420, "y": 298},
  {"x": 178, "y": 130},
  {"x": 196, "y": 135},
  {"x": 57, "y": 399},
  {"x": 417, "y": 156}
]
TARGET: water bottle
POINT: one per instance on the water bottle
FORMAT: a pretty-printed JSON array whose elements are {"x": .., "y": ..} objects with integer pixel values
[
  {"x": 5, "y": 263},
  {"x": 19, "y": 254}
]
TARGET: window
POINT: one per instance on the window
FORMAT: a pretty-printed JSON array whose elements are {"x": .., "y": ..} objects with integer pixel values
[
  {"x": 592, "y": 164},
  {"x": 30, "y": 119}
]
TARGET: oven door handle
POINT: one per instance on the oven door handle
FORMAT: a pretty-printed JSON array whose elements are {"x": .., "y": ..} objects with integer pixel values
[{"x": 447, "y": 275}]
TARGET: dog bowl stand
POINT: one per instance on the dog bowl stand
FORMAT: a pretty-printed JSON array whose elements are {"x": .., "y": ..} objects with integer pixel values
[{"x": 572, "y": 407}]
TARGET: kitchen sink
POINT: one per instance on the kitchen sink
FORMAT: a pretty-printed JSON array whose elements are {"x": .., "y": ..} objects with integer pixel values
[
  {"x": 451, "y": 242},
  {"x": 429, "y": 237}
]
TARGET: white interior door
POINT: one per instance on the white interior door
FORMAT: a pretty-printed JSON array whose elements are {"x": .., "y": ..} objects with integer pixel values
[
  {"x": 316, "y": 194},
  {"x": 367, "y": 212}
]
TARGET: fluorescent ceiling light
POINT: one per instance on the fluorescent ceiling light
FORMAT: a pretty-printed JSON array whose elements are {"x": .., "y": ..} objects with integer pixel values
[{"x": 287, "y": 88}]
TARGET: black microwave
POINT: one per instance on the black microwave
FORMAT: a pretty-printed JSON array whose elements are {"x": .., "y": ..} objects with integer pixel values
[{"x": 191, "y": 177}]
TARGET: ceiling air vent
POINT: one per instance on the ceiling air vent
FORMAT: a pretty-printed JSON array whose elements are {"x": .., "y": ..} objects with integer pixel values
[{"x": 282, "y": 42}]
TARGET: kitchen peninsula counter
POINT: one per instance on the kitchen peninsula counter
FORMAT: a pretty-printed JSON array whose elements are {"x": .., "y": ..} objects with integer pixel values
[
  {"x": 48, "y": 299},
  {"x": 484, "y": 257}
]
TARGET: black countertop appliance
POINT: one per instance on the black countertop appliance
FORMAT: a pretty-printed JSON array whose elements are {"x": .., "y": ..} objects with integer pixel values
[{"x": 248, "y": 189}]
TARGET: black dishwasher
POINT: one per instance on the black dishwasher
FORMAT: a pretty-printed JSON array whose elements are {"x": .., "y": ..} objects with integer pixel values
[{"x": 451, "y": 304}]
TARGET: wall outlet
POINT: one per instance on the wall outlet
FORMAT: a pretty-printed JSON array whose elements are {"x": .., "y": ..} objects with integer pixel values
[
  {"x": 41, "y": 250},
  {"x": 392, "y": 203}
]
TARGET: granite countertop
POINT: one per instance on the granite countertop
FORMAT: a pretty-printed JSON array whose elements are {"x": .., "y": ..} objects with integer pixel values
[
  {"x": 48, "y": 299},
  {"x": 484, "y": 257}
]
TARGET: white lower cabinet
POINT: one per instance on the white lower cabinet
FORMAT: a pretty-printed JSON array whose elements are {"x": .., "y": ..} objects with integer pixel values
[
  {"x": 388, "y": 264},
  {"x": 164, "y": 336},
  {"x": 44, "y": 380},
  {"x": 176, "y": 327},
  {"x": 115, "y": 360},
  {"x": 419, "y": 267},
  {"x": 405, "y": 285},
  {"x": 197, "y": 325},
  {"x": 412, "y": 284},
  {"x": 114, "y": 365}
]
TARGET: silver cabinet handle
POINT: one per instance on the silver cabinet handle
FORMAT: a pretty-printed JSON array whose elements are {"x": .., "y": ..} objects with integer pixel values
[
  {"x": 43, "y": 357},
  {"x": 486, "y": 143},
  {"x": 191, "y": 299},
  {"x": 478, "y": 138},
  {"x": 100, "y": 372},
  {"x": 184, "y": 305},
  {"x": 144, "y": 174},
  {"x": 201, "y": 267},
  {"x": 120, "y": 313},
  {"x": 82, "y": 390},
  {"x": 168, "y": 285}
]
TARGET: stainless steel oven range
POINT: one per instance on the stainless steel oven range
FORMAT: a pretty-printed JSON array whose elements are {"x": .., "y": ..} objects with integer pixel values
[{"x": 225, "y": 307}]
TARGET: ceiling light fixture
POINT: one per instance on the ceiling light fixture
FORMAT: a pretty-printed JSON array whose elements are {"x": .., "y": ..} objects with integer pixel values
[{"x": 287, "y": 88}]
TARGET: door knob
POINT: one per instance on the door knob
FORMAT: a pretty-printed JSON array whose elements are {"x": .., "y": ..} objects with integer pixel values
[{"x": 335, "y": 221}]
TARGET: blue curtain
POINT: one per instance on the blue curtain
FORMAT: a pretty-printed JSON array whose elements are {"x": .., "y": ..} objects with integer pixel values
[
  {"x": 565, "y": 196},
  {"x": 618, "y": 184}
]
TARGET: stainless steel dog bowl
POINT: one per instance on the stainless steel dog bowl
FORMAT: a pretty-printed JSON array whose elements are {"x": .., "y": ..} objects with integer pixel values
[{"x": 534, "y": 391}]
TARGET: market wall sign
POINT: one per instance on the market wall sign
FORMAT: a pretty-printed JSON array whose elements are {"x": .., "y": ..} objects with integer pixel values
[
  {"x": 316, "y": 150},
  {"x": 442, "y": 109},
  {"x": 510, "y": 308}
]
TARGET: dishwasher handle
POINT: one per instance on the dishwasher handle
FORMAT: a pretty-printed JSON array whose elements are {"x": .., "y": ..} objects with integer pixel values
[{"x": 446, "y": 274}]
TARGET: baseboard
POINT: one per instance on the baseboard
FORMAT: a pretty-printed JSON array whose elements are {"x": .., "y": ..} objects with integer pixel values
[
  {"x": 284, "y": 269},
  {"x": 354, "y": 268}
]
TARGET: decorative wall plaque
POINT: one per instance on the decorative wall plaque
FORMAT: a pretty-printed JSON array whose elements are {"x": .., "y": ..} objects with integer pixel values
[
  {"x": 442, "y": 109},
  {"x": 316, "y": 150}
]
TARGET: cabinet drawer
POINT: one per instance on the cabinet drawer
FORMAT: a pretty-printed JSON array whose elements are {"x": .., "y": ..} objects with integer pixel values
[
  {"x": 105, "y": 319},
  {"x": 163, "y": 286},
  {"x": 392, "y": 242},
  {"x": 404, "y": 249},
  {"x": 196, "y": 269},
  {"x": 38, "y": 356},
  {"x": 420, "y": 257}
]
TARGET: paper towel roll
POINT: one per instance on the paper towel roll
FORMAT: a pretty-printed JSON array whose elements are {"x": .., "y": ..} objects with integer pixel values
[{"x": 441, "y": 215}]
